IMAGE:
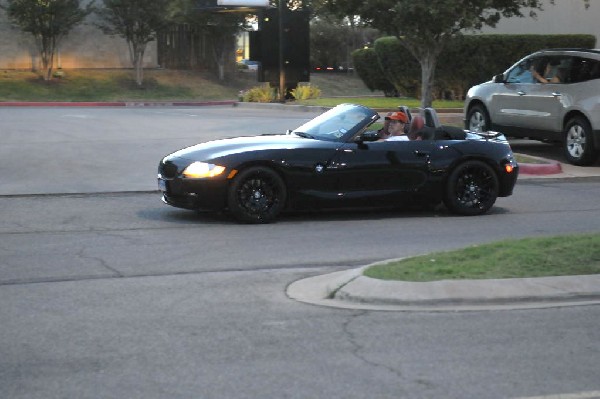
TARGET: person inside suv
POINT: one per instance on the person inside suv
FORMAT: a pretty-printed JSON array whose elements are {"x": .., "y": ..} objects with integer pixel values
[{"x": 551, "y": 73}]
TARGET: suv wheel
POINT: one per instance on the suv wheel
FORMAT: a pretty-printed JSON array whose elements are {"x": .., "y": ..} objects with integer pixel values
[
  {"x": 478, "y": 119},
  {"x": 578, "y": 142}
]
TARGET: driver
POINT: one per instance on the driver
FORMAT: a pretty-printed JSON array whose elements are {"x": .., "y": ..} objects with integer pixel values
[{"x": 397, "y": 121}]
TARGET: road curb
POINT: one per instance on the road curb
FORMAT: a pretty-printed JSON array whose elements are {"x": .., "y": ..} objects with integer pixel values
[
  {"x": 540, "y": 169},
  {"x": 544, "y": 167},
  {"x": 350, "y": 289}
]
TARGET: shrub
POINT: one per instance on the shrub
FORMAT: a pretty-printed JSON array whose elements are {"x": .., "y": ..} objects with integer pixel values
[
  {"x": 369, "y": 70},
  {"x": 306, "y": 92},
  {"x": 260, "y": 94}
]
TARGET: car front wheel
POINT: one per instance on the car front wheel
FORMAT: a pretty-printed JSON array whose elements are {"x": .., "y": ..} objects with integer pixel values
[
  {"x": 578, "y": 145},
  {"x": 257, "y": 195},
  {"x": 478, "y": 119},
  {"x": 472, "y": 188}
]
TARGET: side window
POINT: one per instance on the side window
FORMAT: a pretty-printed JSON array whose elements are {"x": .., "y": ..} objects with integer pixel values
[
  {"x": 585, "y": 69},
  {"x": 521, "y": 73},
  {"x": 557, "y": 69}
]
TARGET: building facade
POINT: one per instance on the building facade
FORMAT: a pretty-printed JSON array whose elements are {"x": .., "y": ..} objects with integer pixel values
[{"x": 564, "y": 17}]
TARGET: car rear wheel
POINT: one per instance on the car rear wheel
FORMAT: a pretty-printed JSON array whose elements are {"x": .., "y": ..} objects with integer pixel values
[
  {"x": 478, "y": 119},
  {"x": 257, "y": 195},
  {"x": 472, "y": 188},
  {"x": 579, "y": 145}
]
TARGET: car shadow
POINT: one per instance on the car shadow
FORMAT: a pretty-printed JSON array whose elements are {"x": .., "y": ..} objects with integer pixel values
[
  {"x": 190, "y": 218},
  {"x": 184, "y": 217}
]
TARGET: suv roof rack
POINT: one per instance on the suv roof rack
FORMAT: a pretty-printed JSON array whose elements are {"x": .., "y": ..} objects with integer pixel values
[{"x": 583, "y": 50}]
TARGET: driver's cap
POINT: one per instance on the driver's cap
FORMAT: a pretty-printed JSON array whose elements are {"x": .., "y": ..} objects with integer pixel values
[{"x": 397, "y": 116}]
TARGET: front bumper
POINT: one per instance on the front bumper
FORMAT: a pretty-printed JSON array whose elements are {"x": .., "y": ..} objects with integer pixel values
[{"x": 194, "y": 194}]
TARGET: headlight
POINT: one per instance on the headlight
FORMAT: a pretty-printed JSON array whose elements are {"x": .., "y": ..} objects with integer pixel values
[{"x": 199, "y": 170}]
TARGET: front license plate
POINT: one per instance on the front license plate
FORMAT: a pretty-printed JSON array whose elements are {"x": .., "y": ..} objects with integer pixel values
[{"x": 162, "y": 185}]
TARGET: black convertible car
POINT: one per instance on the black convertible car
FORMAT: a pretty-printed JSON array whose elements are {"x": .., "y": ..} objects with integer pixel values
[{"x": 335, "y": 161}]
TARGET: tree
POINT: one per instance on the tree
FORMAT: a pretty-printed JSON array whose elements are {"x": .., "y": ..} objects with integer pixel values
[
  {"x": 425, "y": 28},
  {"x": 49, "y": 21},
  {"x": 137, "y": 21}
]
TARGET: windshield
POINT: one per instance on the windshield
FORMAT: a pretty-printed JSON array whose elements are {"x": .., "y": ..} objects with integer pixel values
[{"x": 338, "y": 124}]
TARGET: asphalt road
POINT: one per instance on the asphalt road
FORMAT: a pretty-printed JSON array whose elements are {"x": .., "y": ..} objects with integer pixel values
[{"x": 106, "y": 292}]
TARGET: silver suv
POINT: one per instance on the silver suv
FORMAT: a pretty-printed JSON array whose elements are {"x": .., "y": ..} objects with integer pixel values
[{"x": 551, "y": 95}]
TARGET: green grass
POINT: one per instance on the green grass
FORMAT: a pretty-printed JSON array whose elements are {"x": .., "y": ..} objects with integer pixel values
[
  {"x": 116, "y": 85},
  {"x": 528, "y": 257},
  {"x": 527, "y": 159}
]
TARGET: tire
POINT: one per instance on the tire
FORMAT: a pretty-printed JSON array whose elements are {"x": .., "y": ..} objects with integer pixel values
[
  {"x": 257, "y": 195},
  {"x": 578, "y": 142},
  {"x": 478, "y": 119},
  {"x": 471, "y": 189}
]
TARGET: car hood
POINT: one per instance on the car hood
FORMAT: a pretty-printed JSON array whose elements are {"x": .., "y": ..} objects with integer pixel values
[{"x": 224, "y": 147}]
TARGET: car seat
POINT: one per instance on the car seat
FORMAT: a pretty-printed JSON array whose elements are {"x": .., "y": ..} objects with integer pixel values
[
  {"x": 431, "y": 118},
  {"x": 415, "y": 128},
  {"x": 406, "y": 111}
]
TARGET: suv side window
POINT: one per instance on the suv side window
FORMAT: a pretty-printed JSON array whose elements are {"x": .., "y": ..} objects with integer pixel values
[
  {"x": 521, "y": 73},
  {"x": 585, "y": 69},
  {"x": 556, "y": 69}
]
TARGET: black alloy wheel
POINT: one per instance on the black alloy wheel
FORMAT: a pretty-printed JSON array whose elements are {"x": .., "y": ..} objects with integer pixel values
[
  {"x": 478, "y": 119},
  {"x": 579, "y": 145},
  {"x": 257, "y": 195},
  {"x": 472, "y": 188}
]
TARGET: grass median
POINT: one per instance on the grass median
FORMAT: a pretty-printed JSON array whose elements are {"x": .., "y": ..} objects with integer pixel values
[{"x": 565, "y": 255}]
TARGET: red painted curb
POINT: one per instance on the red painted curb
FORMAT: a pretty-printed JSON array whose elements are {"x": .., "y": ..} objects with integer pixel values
[{"x": 540, "y": 169}]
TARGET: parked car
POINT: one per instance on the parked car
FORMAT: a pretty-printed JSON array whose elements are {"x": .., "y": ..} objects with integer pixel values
[
  {"x": 563, "y": 106},
  {"x": 334, "y": 161},
  {"x": 248, "y": 64}
]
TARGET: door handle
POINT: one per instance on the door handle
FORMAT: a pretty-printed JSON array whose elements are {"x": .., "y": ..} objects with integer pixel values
[
  {"x": 521, "y": 93},
  {"x": 420, "y": 153},
  {"x": 556, "y": 94}
]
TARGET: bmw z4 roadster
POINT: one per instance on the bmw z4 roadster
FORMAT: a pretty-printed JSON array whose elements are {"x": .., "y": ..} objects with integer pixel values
[{"x": 338, "y": 159}]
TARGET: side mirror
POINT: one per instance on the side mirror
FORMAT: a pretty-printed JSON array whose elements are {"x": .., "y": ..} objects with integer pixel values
[
  {"x": 499, "y": 78},
  {"x": 369, "y": 135}
]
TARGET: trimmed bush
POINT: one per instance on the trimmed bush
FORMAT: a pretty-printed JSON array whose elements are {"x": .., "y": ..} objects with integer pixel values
[
  {"x": 260, "y": 94},
  {"x": 399, "y": 67},
  {"x": 306, "y": 92},
  {"x": 368, "y": 68}
]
